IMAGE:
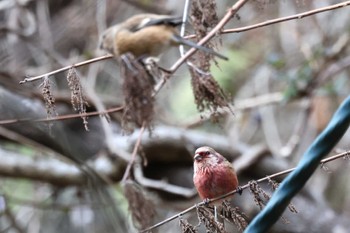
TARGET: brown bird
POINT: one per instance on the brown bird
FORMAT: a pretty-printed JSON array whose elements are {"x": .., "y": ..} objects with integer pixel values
[
  {"x": 213, "y": 174},
  {"x": 146, "y": 35}
]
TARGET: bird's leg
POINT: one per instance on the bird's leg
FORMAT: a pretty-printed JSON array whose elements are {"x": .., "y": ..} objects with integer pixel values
[
  {"x": 165, "y": 70},
  {"x": 126, "y": 60},
  {"x": 153, "y": 61},
  {"x": 152, "y": 68},
  {"x": 129, "y": 63}
]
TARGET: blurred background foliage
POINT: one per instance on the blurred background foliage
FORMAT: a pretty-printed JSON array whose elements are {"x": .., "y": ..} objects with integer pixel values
[{"x": 284, "y": 82}]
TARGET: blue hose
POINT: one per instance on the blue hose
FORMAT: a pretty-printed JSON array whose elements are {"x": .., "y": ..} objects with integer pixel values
[{"x": 294, "y": 182}]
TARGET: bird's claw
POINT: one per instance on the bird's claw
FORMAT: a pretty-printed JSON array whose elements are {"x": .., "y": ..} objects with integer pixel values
[
  {"x": 206, "y": 201},
  {"x": 239, "y": 190}
]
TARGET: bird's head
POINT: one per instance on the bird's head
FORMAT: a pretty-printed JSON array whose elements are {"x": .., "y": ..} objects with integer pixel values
[
  {"x": 107, "y": 39},
  {"x": 207, "y": 156}
]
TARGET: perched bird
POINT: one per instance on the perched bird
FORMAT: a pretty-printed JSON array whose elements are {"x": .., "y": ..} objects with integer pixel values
[
  {"x": 146, "y": 35},
  {"x": 213, "y": 174}
]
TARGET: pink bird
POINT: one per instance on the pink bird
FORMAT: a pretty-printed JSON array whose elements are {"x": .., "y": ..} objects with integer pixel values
[{"x": 213, "y": 174}]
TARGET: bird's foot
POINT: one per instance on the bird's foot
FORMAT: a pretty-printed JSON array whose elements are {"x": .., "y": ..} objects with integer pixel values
[
  {"x": 206, "y": 201},
  {"x": 239, "y": 190},
  {"x": 165, "y": 70}
]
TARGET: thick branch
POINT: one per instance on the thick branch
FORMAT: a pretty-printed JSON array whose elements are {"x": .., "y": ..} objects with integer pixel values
[{"x": 51, "y": 170}]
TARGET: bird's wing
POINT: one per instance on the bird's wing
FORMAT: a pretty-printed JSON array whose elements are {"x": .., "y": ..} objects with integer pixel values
[{"x": 173, "y": 21}]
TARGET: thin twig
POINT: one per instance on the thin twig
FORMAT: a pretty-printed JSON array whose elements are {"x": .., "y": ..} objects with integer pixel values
[
  {"x": 14, "y": 221},
  {"x": 239, "y": 105},
  {"x": 43, "y": 205},
  {"x": 287, "y": 18},
  {"x": 299, "y": 129},
  {"x": 63, "y": 117},
  {"x": 268, "y": 121},
  {"x": 323, "y": 161},
  {"x": 134, "y": 153},
  {"x": 31, "y": 79},
  {"x": 160, "y": 185}
]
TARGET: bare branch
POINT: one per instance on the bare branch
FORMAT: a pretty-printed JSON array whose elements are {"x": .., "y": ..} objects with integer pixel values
[
  {"x": 161, "y": 185},
  {"x": 134, "y": 153},
  {"x": 13, "y": 220},
  {"x": 51, "y": 170},
  {"x": 63, "y": 117},
  {"x": 31, "y": 79},
  {"x": 250, "y": 157},
  {"x": 287, "y": 18},
  {"x": 239, "y": 105}
]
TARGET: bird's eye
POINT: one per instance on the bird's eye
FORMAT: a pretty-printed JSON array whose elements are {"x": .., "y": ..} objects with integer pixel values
[{"x": 207, "y": 153}]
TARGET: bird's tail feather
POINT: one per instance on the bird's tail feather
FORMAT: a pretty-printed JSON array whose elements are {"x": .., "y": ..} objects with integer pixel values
[{"x": 183, "y": 41}]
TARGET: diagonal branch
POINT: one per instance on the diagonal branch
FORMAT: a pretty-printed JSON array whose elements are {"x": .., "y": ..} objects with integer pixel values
[
  {"x": 134, "y": 153},
  {"x": 83, "y": 63},
  {"x": 267, "y": 178}
]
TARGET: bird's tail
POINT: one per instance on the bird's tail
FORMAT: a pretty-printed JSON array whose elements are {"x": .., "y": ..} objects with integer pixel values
[{"x": 180, "y": 40}]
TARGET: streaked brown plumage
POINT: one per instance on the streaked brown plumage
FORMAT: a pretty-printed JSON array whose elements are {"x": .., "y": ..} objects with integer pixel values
[{"x": 213, "y": 174}]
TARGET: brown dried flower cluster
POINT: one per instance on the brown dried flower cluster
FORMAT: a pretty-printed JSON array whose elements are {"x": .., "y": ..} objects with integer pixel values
[
  {"x": 204, "y": 17},
  {"x": 138, "y": 89},
  {"x": 141, "y": 208},
  {"x": 186, "y": 227},
  {"x": 260, "y": 196},
  {"x": 207, "y": 92},
  {"x": 275, "y": 185},
  {"x": 49, "y": 99},
  {"x": 78, "y": 99},
  {"x": 206, "y": 216},
  {"x": 261, "y": 201},
  {"x": 235, "y": 215}
]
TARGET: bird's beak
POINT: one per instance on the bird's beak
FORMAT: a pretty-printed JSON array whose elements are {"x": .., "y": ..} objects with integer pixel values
[{"x": 197, "y": 157}]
